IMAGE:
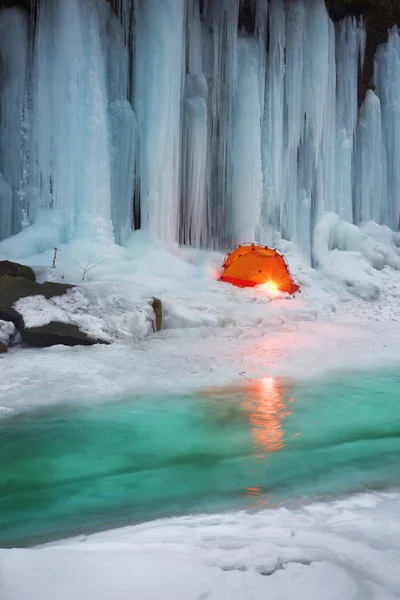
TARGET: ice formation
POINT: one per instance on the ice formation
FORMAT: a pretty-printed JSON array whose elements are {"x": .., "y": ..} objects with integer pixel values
[
  {"x": 163, "y": 115},
  {"x": 14, "y": 50}
]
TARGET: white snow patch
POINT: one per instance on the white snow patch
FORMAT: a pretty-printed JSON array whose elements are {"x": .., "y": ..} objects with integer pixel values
[
  {"x": 346, "y": 316},
  {"x": 100, "y": 311},
  {"x": 345, "y": 550},
  {"x": 214, "y": 334},
  {"x": 7, "y": 331}
]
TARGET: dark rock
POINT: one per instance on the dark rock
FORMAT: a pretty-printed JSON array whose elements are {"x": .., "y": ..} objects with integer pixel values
[
  {"x": 28, "y": 4},
  {"x": 13, "y": 289},
  {"x": 55, "y": 333},
  {"x": 16, "y": 270},
  {"x": 157, "y": 307},
  {"x": 3, "y": 348}
]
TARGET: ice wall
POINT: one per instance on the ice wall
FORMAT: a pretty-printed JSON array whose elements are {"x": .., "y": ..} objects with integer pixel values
[
  {"x": 159, "y": 52},
  {"x": 196, "y": 133},
  {"x": 122, "y": 121},
  {"x": 370, "y": 176},
  {"x": 161, "y": 114},
  {"x": 14, "y": 51},
  {"x": 246, "y": 182},
  {"x": 387, "y": 80},
  {"x": 70, "y": 162}
]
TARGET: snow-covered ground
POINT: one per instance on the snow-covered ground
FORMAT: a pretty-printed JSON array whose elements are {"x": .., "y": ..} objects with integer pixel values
[
  {"x": 347, "y": 316},
  {"x": 347, "y": 550}
]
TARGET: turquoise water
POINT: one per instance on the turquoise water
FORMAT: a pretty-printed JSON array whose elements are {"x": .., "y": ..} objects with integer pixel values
[{"x": 74, "y": 468}]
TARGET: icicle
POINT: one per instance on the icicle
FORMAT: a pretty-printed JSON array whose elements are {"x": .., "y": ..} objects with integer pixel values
[
  {"x": 316, "y": 73},
  {"x": 122, "y": 119},
  {"x": 328, "y": 155},
  {"x": 14, "y": 47},
  {"x": 272, "y": 129},
  {"x": 5, "y": 208},
  {"x": 294, "y": 116},
  {"x": 370, "y": 193},
  {"x": 157, "y": 98},
  {"x": 221, "y": 68},
  {"x": 123, "y": 138},
  {"x": 161, "y": 112},
  {"x": 195, "y": 169},
  {"x": 387, "y": 81},
  {"x": 309, "y": 98},
  {"x": 246, "y": 154},
  {"x": 348, "y": 62},
  {"x": 70, "y": 160}
]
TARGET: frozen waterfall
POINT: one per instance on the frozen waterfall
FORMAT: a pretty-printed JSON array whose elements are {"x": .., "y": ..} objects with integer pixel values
[
  {"x": 14, "y": 50},
  {"x": 163, "y": 115}
]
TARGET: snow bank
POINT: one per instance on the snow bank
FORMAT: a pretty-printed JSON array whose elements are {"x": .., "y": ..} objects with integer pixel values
[
  {"x": 102, "y": 312},
  {"x": 212, "y": 331},
  {"x": 352, "y": 255},
  {"x": 345, "y": 550},
  {"x": 120, "y": 282}
]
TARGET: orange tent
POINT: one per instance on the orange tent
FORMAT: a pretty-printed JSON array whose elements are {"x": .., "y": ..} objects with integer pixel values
[{"x": 251, "y": 264}]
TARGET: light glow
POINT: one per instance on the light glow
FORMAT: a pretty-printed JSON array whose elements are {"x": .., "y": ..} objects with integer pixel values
[{"x": 270, "y": 288}]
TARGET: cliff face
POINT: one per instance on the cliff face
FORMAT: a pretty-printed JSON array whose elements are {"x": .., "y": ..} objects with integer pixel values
[
  {"x": 379, "y": 17},
  {"x": 22, "y": 3}
]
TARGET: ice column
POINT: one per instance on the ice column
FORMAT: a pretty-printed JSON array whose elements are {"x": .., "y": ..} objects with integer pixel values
[
  {"x": 246, "y": 152},
  {"x": 272, "y": 127},
  {"x": 370, "y": 177},
  {"x": 70, "y": 153},
  {"x": 5, "y": 208},
  {"x": 220, "y": 69},
  {"x": 14, "y": 49},
  {"x": 122, "y": 119},
  {"x": 387, "y": 79},
  {"x": 350, "y": 45},
  {"x": 157, "y": 98},
  {"x": 294, "y": 193},
  {"x": 195, "y": 137}
]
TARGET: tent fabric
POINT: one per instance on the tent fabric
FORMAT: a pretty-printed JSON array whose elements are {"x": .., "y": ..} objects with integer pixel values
[{"x": 249, "y": 265}]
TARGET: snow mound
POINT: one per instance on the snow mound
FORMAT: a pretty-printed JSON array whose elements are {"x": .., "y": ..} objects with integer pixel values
[{"x": 345, "y": 550}]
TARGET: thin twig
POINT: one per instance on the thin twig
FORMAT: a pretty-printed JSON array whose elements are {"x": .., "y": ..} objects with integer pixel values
[{"x": 88, "y": 268}]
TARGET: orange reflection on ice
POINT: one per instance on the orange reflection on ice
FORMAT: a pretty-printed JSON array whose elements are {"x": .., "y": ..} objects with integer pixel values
[
  {"x": 253, "y": 491},
  {"x": 266, "y": 406},
  {"x": 265, "y": 401}
]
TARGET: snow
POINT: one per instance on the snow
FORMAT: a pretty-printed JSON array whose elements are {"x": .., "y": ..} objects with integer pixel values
[
  {"x": 100, "y": 312},
  {"x": 344, "y": 550},
  {"x": 346, "y": 317},
  {"x": 212, "y": 331},
  {"x": 7, "y": 331}
]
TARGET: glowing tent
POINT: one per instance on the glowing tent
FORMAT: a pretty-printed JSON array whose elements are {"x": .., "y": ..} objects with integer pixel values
[{"x": 249, "y": 265}]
